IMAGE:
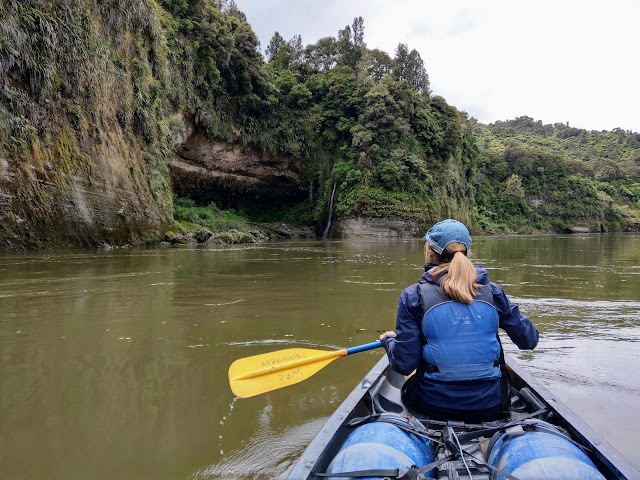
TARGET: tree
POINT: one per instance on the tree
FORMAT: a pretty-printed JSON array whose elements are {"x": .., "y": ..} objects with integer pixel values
[
  {"x": 322, "y": 55},
  {"x": 297, "y": 49},
  {"x": 351, "y": 44},
  {"x": 381, "y": 126},
  {"x": 513, "y": 188},
  {"x": 283, "y": 55},
  {"x": 231, "y": 8},
  {"x": 375, "y": 64},
  {"x": 358, "y": 33},
  {"x": 512, "y": 199},
  {"x": 358, "y": 47},
  {"x": 345, "y": 47},
  {"x": 408, "y": 66},
  {"x": 280, "y": 53},
  {"x": 275, "y": 44},
  {"x": 448, "y": 119}
]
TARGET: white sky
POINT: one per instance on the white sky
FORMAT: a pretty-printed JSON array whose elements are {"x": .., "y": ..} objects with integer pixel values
[{"x": 553, "y": 60}]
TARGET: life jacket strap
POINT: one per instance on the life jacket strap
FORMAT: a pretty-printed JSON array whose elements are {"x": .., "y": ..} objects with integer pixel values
[
  {"x": 414, "y": 473},
  {"x": 434, "y": 368}
]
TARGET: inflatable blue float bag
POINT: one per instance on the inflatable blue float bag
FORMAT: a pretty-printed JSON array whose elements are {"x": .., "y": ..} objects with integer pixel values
[
  {"x": 541, "y": 452},
  {"x": 380, "y": 445}
]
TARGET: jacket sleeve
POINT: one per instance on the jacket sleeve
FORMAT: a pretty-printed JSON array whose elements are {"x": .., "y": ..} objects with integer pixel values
[
  {"x": 520, "y": 329},
  {"x": 405, "y": 349}
]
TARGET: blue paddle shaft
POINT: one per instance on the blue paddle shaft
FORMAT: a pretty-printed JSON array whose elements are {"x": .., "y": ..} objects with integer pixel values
[{"x": 364, "y": 348}]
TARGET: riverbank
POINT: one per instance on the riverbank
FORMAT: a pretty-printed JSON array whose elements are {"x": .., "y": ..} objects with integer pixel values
[
  {"x": 243, "y": 231},
  {"x": 256, "y": 233}
]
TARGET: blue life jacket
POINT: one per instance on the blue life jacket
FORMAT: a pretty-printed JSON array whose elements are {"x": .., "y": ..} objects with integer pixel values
[{"x": 461, "y": 339}]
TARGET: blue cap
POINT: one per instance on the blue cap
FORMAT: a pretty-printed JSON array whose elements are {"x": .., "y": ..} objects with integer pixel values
[{"x": 445, "y": 232}]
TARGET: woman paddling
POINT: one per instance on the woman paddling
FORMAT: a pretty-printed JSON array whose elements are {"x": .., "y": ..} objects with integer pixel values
[{"x": 447, "y": 331}]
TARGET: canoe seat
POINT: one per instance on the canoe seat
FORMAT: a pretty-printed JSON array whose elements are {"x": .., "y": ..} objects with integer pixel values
[
  {"x": 387, "y": 406},
  {"x": 385, "y": 396}
]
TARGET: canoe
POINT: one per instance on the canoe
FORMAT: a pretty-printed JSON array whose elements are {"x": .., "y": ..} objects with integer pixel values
[{"x": 372, "y": 435}]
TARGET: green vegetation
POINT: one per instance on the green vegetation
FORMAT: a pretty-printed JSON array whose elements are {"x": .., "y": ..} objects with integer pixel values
[
  {"x": 83, "y": 107},
  {"x": 189, "y": 217},
  {"x": 552, "y": 177},
  {"x": 298, "y": 215},
  {"x": 382, "y": 138},
  {"x": 81, "y": 78}
]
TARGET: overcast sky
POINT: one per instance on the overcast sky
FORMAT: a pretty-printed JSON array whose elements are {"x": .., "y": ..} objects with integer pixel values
[{"x": 575, "y": 61}]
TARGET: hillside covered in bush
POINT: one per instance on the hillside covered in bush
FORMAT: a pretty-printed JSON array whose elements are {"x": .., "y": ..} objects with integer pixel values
[
  {"x": 552, "y": 177},
  {"x": 96, "y": 98}
]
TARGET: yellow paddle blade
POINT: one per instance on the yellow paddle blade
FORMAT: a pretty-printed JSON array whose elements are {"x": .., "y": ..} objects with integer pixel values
[{"x": 258, "y": 374}]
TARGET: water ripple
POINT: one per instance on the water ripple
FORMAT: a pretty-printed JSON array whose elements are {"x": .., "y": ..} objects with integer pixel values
[
  {"x": 364, "y": 282},
  {"x": 250, "y": 460},
  {"x": 563, "y": 302},
  {"x": 233, "y": 302},
  {"x": 582, "y": 315}
]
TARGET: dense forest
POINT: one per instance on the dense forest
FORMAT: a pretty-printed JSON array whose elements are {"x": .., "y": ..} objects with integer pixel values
[
  {"x": 357, "y": 118},
  {"x": 550, "y": 177},
  {"x": 85, "y": 84}
]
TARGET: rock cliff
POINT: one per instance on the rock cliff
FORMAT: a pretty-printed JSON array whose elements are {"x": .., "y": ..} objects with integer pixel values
[
  {"x": 99, "y": 194},
  {"x": 210, "y": 170},
  {"x": 358, "y": 227}
]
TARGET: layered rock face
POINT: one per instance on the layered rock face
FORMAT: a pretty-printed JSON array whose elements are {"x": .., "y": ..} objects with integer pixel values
[
  {"x": 208, "y": 170},
  {"x": 358, "y": 227},
  {"x": 103, "y": 196}
]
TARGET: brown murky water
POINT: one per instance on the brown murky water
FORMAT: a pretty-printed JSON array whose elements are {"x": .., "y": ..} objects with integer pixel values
[{"x": 113, "y": 365}]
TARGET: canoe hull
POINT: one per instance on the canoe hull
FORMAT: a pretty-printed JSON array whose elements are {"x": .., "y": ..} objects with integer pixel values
[{"x": 379, "y": 392}]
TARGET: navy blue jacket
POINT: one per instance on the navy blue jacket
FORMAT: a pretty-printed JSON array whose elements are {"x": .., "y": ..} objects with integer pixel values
[{"x": 405, "y": 350}]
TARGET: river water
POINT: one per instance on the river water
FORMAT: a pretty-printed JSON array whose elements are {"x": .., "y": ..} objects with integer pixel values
[{"x": 113, "y": 364}]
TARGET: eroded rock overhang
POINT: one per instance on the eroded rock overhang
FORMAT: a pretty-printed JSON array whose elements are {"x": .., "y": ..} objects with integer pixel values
[{"x": 232, "y": 176}]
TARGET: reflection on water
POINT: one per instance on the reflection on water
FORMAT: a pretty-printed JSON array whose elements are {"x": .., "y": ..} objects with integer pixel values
[{"x": 114, "y": 364}]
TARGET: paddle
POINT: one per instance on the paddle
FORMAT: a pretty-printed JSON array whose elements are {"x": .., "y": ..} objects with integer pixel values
[{"x": 252, "y": 376}]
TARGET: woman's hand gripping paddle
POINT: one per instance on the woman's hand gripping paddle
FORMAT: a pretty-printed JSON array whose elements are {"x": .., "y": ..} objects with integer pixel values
[{"x": 252, "y": 376}]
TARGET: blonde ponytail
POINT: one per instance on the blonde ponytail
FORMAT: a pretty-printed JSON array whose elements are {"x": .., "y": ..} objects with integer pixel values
[{"x": 458, "y": 273}]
